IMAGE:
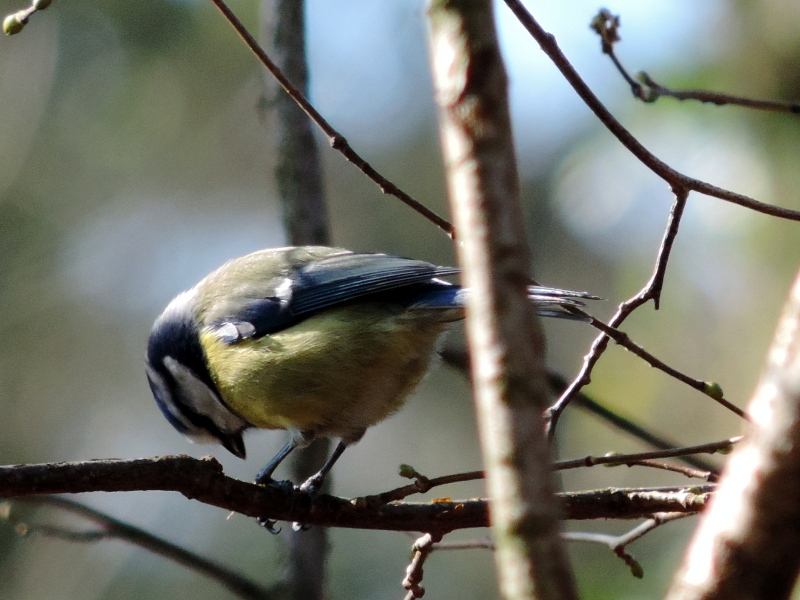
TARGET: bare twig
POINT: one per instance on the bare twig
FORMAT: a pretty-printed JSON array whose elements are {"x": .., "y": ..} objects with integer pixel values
[
  {"x": 459, "y": 360},
  {"x": 114, "y": 528},
  {"x": 683, "y": 470},
  {"x": 624, "y": 459},
  {"x": 482, "y": 544},
  {"x": 618, "y": 544},
  {"x": 710, "y": 389},
  {"x": 424, "y": 484},
  {"x": 422, "y": 550},
  {"x": 336, "y": 139},
  {"x": 646, "y": 89},
  {"x": 676, "y": 179}
]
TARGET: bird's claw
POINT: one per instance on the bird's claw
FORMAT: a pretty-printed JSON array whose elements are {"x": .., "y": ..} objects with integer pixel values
[
  {"x": 269, "y": 525},
  {"x": 310, "y": 486},
  {"x": 284, "y": 486},
  {"x": 297, "y": 526}
]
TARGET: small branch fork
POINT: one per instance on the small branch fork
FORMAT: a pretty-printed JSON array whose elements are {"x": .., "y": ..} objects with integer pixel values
[
  {"x": 606, "y": 25},
  {"x": 677, "y": 180},
  {"x": 681, "y": 186},
  {"x": 651, "y": 291},
  {"x": 425, "y": 546},
  {"x": 618, "y": 544}
]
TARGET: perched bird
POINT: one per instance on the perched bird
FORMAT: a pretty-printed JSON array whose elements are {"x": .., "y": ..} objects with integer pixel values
[{"x": 322, "y": 342}]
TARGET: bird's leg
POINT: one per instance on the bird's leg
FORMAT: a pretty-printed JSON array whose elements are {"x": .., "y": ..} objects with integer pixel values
[
  {"x": 265, "y": 478},
  {"x": 314, "y": 483}
]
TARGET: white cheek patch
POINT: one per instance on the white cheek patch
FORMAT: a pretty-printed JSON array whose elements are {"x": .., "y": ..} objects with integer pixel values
[
  {"x": 202, "y": 400},
  {"x": 164, "y": 393}
]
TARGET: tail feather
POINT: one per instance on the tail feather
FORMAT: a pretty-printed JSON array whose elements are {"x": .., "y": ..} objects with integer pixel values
[{"x": 549, "y": 302}]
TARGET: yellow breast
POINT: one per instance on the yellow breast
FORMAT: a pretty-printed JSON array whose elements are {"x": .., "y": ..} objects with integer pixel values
[{"x": 336, "y": 373}]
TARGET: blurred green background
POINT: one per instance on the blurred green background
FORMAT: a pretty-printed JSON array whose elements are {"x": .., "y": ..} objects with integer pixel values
[{"x": 135, "y": 157}]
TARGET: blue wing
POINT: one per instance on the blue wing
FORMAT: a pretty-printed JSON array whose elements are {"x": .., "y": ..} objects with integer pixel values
[
  {"x": 328, "y": 282},
  {"x": 346, "y": 277}
]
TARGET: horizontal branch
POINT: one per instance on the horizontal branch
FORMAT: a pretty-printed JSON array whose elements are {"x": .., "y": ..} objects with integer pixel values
[{"x": 203, "y": 480}]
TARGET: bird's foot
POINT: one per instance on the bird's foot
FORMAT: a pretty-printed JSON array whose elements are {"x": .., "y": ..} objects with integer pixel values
[
  {"x": 283, "y": 486},
  {"x": 312, "y": 485},
  {"x": 269, "y": 525}
]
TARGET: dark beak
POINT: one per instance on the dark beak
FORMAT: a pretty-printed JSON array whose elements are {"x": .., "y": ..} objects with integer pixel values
[{"x": 234, "y": 444}]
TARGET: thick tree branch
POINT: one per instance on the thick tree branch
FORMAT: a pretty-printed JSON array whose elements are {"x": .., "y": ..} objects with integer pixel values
[
  {"x": 506, "y": 340},
  {"x": 746, "y": 546},
  {"x": 204, "y": 481}
]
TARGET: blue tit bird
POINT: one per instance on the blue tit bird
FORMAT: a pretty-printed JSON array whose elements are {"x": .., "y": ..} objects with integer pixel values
[{"x": 322, "y": 342}]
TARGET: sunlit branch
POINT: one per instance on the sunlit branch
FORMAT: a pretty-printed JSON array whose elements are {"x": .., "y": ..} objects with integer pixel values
[
  {"x": 676, "y": 179},
  {"x": 647, "y": 90}
]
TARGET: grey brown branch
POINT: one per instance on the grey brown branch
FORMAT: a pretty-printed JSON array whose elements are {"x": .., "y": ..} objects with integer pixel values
[
  {"x": 746, "y": 547},
  {"x": 203, "y": 480},
  {"x": 643, "y": 87}
]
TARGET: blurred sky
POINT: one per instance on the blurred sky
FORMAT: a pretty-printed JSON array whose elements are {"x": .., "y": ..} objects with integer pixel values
[{"x": 135, "y": 156}]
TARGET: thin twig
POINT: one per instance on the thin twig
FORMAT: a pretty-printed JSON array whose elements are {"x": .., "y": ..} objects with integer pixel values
[
  {"x": 647, "y": 90},
  {"x": 114, "y": 528},
  {"x": 335, "y": 139},
  {"x": 623, "y": 459},
  {"x": 689, "y": 472},
  {"x": 458, "y": 359},
  {"x": 710, "y": 389},
  {"x": 651, "y": 291},
  {"x": 423, "y": 484},
  {"x": 656, "y": 90},
  {"x": 676, "y": 179},
  {"x": 617, "y": 544},
  {"x": 422, "y": 548},
  {"x": 482, "y": 544}
]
